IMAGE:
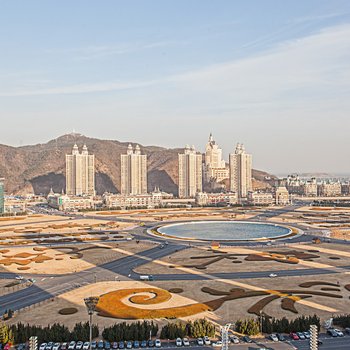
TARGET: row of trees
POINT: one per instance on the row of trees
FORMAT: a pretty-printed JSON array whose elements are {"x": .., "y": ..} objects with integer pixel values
[
  {"x": 272, "y": 325},
  {"x": 198, "y": 328},
  {"x": 249, "y": 326},
  {"x": 131, "y": 331},
  {"x": 283, "y": 325},
  {"x": 6, "y": 335},
  {"x": 20, "y": 333},
  {"x": 342, "y": 321},
  {"x": 56, "y": 332}
]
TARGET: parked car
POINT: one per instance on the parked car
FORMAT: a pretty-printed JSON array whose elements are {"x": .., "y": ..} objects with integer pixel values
[
  {"x": 306, "y": 335},
  {"x": 158, "y": 343},
  {"x": 274, "y": 337},
  {"x": 339, "y": 332},
  {"x": 178, "y": 342},
  {"x": 93, "y": 345},
  {"x": 185, "y": 342},
  {"x": 347, "y": 330},
  {"x": 301, "y": 335},
  {"x": 217, "y": 343},
  {"x": 114, "y": 345},
  {"x": 332, "y": 333},
  {"x": 79, "y": 345},
  {"x": 49, "y": 346},
  {"x": 129, "y": 344},
  {"x": 234, "y": 339},
  {"x": 136, "y": 344},
  {"x": 200, "y": 341},
  {"x": 56, "y": 346},
  {"x": 121, "y": 345},
  {"x": 246, "y": 339},
  {"x": 281, "y": 337},
  {"x": 86, "y": 345},
  {"x": 150, "y": 344},
  {"x": 294, "y": 336},
  {"x": 100, "y": 344},
  {"x": 42, "y": 346},
  {"x": 64, "y": 346},
  {"x": 71, "y": 345},
  {"x": 144, "y": 344},
  {"x": 206, "y": 340}
]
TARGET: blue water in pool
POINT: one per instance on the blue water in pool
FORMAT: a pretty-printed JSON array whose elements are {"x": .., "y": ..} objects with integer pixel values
[{"x": 224, "y": 230}]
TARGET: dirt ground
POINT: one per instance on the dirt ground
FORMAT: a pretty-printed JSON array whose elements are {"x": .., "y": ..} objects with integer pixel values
[
  {"x": 65, "y": 259},
  {"x": 230, "y": 311}
]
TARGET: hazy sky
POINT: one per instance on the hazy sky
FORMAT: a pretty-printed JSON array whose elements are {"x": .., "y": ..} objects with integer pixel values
[{"x": 274, "y": 75}]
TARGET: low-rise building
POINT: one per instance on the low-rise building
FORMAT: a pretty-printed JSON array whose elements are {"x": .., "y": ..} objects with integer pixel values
[
  {"x": 149, "y": 200},
  {"x": 259, "y": 198},
  {"x": 64, "y": 202},
  {"x": 282, "y": 196},
  {"x": 229, "y": 198},
  {"x": 309, "y": 188},
  {"x": 345, "y": 188},
  {"x": 330, "y": 189}
]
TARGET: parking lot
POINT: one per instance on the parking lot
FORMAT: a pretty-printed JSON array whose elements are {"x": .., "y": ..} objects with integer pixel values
[{"x": 326, "y": 342}]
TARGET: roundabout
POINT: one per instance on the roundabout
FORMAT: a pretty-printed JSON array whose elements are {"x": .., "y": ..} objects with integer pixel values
[{"x": 229, "y": 231}]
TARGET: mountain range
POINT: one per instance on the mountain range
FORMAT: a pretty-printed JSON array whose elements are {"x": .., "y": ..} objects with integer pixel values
[{"x": 37, "y": 168}]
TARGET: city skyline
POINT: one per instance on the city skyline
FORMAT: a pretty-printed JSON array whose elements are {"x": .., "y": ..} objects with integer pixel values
[{"x": 270, "y": 75}]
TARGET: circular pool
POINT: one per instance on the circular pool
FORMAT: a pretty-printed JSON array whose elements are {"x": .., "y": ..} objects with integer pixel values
[{"x": 224, "y": 231}]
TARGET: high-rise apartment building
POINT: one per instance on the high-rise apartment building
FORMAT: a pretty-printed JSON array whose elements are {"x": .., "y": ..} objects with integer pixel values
[
  {"x": 240, "y": 172},
  {"x": 214, "y": 165},
  {"x": 133, "y": 172},
  {"x": 2, "y": 198},
  {"x": 190, "y": 172},
  {"x": 80, "y": 172}
]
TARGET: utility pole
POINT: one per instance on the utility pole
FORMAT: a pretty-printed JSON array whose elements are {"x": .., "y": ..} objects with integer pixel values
[
  {"x": 313, "y": 337},
  {"x": 91, "y": 303},
  {"x": 224, "y": 336}
]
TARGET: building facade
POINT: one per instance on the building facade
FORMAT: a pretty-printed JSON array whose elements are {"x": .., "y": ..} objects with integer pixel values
[
  {"x": 133, "y": 172},
  {"x": 203, "y": 198},
  {"x": 282, "y": 196},
  {"x": 330, "y": 189},
  {"x": 214, "y": 166},
  {"x": 240, "y": 172},
  {"x": 64, "y": 202},
  {"x": 80, "y": 172},
  {"x": 149, "y": 200},
  {"x": 259, "y": 198},
  {"x": 310, "y": 188},
  {"x": 2, "y": 197},
  {"x": 190, "y": 173}
]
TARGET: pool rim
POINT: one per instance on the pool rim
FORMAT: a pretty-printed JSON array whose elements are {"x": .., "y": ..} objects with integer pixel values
[{"x": 293, "y": 231}]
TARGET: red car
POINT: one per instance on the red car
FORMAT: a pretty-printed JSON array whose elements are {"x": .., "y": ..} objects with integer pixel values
[{"x": 294, "y": 336}]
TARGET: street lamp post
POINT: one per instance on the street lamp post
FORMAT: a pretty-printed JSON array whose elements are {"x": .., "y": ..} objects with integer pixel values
[{"x": 91, "y": 303}]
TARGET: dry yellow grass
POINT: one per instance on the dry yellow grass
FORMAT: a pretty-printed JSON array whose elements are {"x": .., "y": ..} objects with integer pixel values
[{"x": 112, "y": 305}]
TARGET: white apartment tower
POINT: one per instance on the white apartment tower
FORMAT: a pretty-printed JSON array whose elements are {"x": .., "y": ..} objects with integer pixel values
[
  {"x": 133, "y": 172},
  {"x": 240, "y": 172},
  {"x": 214, "y": 165},
  {"x": 80, "y": 172},
  {"x": 190, "y": 173}
]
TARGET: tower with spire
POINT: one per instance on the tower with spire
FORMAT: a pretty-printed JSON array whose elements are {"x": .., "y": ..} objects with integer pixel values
[
  {"x": 214, "y": 165},
  {"x": 80, "y": 172}
]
